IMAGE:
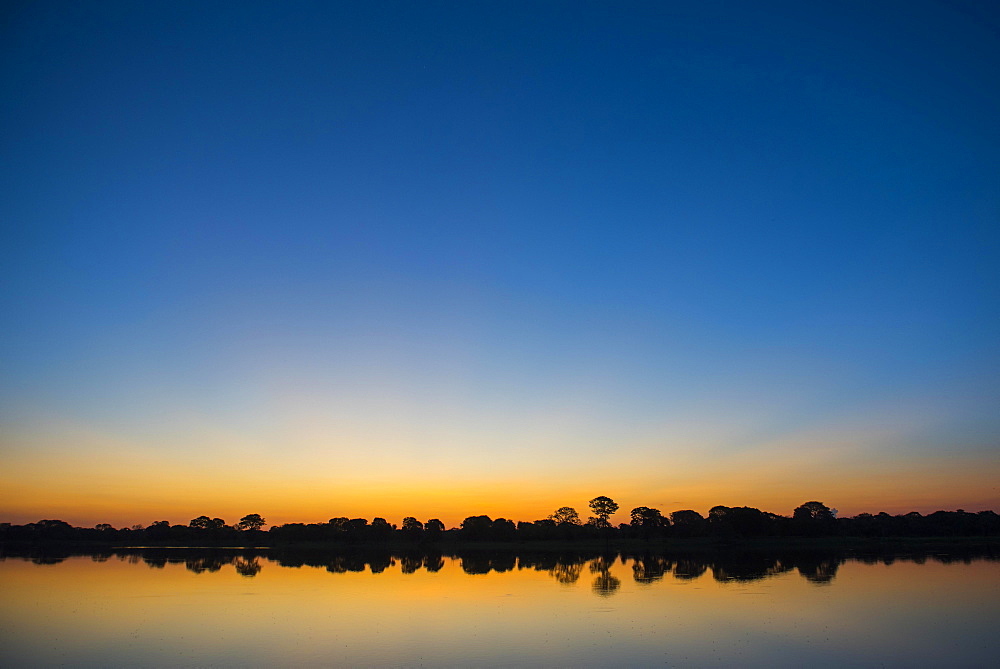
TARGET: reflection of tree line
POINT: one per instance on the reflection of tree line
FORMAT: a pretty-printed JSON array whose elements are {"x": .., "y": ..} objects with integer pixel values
[
  {"x": 565, "y": 567},
  {"x": 746, "y": 568}
]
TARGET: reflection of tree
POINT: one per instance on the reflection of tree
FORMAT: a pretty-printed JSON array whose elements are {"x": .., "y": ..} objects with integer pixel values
[
  {"x": 818, "y": 567},
  {"x": 344, "y": 563},
  {"x": 604, "y": 584},
  {"x": 819, "y": 571},
  {"x": 479, "y": 562},
  {"x": 566, "y": 573},
  {"x": 746, "y": 567},
  {"x": 379, "y": 563},
  {"x": 47, "y": 560},
  {"x": 649, "y": 568},
  {"x": 688, "y": 569},
  {"x": 411, "y": 563},
  {"x": 602, "y": 563},
  {"x": 433, "y": 562},
  {"x": 476, "y": 564},
  {"x": 155, "y": 561},
  {"x": 203, "y": 563},
  {"x": 248, "y": 567},
  {"x": 504, "y": 562}
]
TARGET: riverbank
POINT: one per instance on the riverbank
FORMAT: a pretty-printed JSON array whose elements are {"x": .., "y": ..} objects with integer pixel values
[{"x": 628, "y": 545}]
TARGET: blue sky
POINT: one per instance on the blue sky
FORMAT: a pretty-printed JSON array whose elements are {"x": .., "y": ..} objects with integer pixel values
[{"x": 509, "y": 234}]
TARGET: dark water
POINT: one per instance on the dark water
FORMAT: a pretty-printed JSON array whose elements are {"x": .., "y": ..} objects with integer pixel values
[{"x": 198, "y": 607}]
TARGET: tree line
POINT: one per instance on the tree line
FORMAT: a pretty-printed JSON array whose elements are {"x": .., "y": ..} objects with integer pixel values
[{"x": 811, "y": 519}]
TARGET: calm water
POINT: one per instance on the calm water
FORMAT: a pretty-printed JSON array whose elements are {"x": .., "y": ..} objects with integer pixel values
[{"x": 179, "y": 607}]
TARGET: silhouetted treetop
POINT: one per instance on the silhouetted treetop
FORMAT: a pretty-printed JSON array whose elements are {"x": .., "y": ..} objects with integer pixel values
[
  {"x": 565, "y": 515},
  {"x": 206, "y": 523},
  {"x": 643, "y": 516},
  {"x": 251, "y": 522}
]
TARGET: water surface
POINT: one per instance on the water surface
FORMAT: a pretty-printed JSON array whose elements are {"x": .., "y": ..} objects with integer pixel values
[{"x": 180, "y": 607}]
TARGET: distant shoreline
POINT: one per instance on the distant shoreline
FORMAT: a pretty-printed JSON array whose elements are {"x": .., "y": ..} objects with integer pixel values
[{"x": 702, "y": 544}]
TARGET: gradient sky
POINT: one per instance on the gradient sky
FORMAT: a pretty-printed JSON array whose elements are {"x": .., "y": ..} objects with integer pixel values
[{"x": 450, "y": 258}]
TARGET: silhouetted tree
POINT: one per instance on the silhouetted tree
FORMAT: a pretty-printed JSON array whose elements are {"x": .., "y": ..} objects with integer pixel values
[
  {"x": 645, "y": 522},
  {"x": 739, "y": 521},
  {"x": 251, "y": 522},
  {"x": 643, "y": 516},
  {"x": 412, "y": 528},
  {"x": 356, "y": 529},
  {"x": 503, "y": 530},
  {"x": 565, "y": 515},
  {"x": 476, "y": 527},
  {"x": 158, "y": 531},
  {"x": 381, "y": 529},
  {"x": 688, "y": 523},
  {"x": 603, "y": 508},
  {"x": 537, "y": 531},
  {"x": 814, "y": 511},
  {"x": 813, "y": 519},
  {"x": 52, "y": 530},
  {"x": 206, "y": 523},
  {"x": 433, "y": 529}
]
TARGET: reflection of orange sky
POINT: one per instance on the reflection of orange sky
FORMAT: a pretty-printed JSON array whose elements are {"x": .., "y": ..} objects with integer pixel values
[
  {"x": 136, "y": 491},
  {"x": 126, "y": 613}
]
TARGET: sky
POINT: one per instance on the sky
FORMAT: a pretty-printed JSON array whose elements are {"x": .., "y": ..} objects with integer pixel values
[{"x": 441, "y": 259}]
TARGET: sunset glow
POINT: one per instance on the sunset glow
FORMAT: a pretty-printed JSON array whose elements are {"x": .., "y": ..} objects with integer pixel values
[{"x": 312, "y": 260}]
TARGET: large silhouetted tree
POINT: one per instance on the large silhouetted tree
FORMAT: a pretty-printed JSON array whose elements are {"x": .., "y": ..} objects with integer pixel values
[
  {"x": 206, "y": 523},
  {"x": 643, "y": 516},
  {"x": 433, "y": 529},
  {"x": 813, "y": 518},
  {"x": 412, "y": 528},
  {"x": 603, "y": 508},
  {"x": 565, "y": 515},
  {"x": 251, "y": 522},
  {"x": 476, "y": 527},
  {"x": 688, "y": 523},
  {"x": 648, "y": 522},
  {"x": 813, "y": 511},
  {"x": 380, "y": 528}
]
